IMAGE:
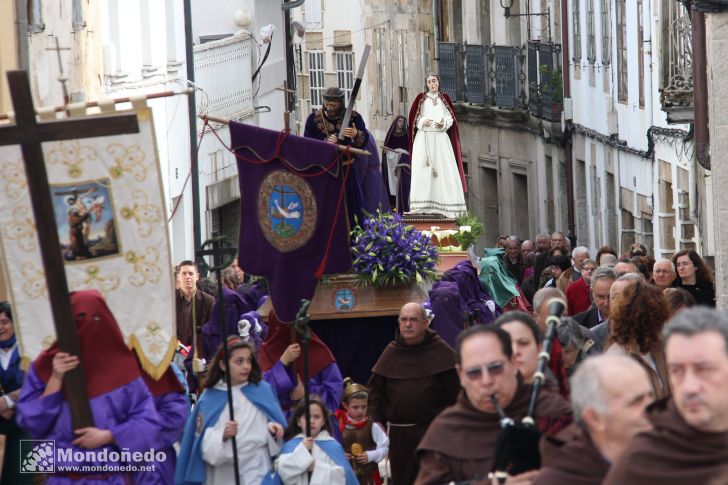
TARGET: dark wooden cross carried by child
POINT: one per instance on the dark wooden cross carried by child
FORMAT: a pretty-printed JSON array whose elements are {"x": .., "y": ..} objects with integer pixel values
[{"x": 29, "y": 134}]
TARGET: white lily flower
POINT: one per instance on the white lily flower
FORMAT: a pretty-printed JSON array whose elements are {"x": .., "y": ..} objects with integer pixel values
[{"x": 465, "y": 228}]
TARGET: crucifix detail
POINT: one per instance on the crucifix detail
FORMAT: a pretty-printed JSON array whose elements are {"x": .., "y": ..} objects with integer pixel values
[{"x": 29, "y": 134}]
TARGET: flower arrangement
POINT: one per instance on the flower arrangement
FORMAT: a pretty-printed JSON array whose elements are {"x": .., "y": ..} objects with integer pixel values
[
  {"x": 470, "y": 230},
  {"x": 387, "y": 252}
]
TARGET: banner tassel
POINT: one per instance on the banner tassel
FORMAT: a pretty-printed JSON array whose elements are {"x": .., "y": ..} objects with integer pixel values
[{"x": 324, "y": 261}]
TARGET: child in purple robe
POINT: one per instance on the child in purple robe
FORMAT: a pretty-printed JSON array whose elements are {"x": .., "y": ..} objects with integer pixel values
[{"x": 125, "y": 419}]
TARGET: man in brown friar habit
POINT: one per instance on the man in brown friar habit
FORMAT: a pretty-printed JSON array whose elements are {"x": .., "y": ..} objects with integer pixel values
[
  {"x": 461, "y": 443},
  {"x": 689, "y": 441},
  {"x": 609, "y": 394},
  {"x": 413, "y": 380}
]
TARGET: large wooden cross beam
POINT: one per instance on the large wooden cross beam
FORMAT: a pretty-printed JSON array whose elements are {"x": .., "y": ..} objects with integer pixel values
[{"x": 29, "y": 134}]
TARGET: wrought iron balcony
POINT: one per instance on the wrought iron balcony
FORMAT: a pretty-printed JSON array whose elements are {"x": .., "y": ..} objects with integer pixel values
[
  {"x": 676, "y": 94},
  {"x": 494, "y": 75}
]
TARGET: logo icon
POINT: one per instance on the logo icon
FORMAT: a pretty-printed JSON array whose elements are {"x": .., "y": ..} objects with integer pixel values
[
  {"x": 286, "y": 210},
  {"x": 37, "y": 456},
  {"x": 344, "y": 300}
]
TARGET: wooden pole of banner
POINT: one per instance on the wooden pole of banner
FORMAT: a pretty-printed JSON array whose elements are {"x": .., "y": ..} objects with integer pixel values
[
  {"x": 341, "y": 148},
  {"x": 29, "y": 134}
]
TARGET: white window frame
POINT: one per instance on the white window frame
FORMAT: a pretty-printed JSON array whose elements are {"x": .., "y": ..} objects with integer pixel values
[
  {"x": 316, "y": 81},
  {"x": 425, "y": 56},
  {"x": 606, "y": 19},
  {"x": 403, "y": 66},
  {"x": 576, "y": 20},
  {"x": 591, "y": 41},
  {"x": 382, "y": 60},
  {"x": 345, "y": 72}
]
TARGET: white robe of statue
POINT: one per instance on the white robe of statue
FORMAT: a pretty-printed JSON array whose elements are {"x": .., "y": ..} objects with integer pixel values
[
  {"x": 255, "y": 444},
  {"x": 436, "y": 185}
]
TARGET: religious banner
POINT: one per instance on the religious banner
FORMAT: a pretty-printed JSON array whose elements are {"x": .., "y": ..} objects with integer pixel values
[
  {"x": 294, "y": 225},
  {"x": 109, "y": 208}
]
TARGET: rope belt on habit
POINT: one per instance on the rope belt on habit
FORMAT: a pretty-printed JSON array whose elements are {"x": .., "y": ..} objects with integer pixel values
[{"x": 404, "y": 425}]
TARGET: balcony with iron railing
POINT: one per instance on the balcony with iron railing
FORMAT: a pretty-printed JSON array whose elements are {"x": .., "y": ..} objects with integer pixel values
[
  {"x": 223, "y": 71},
  {"x": 511, "y": 78}
]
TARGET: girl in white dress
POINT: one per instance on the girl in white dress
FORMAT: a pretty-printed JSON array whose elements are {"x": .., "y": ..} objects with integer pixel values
[
  {"x": 438, "y": 183},
  {"x": 317, "y": 460},
  {"x": 257, "y": 419}
]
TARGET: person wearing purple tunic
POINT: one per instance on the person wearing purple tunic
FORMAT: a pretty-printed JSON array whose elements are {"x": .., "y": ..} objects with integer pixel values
[
  {"x": 236, "y": 309},
  {"x": 450, "y": 312},
  {"x": 480, "y": 304},
  {"x": 373, "y": 188},
  {"x": 395, "y": 152},
  {"x": 277, "y": 353},
  {"x": 173, "y": 407},
  {"x": 125, "y": 418}
]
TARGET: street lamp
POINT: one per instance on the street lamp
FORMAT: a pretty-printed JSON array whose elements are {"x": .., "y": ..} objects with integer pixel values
[{"x": 507, "y": 4}]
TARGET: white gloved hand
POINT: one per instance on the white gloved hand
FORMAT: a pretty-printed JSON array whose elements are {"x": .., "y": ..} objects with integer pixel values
[
  {"x": 491, "y": 306},
  {"x": 198, "y": 365},
  {"x": 244, "y": 328}
]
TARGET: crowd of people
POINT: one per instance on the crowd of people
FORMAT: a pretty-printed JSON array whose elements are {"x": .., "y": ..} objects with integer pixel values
[{"x": 633, "y": 391}]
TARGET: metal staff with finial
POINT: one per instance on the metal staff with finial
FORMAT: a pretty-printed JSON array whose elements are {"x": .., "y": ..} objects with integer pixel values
[
  {"x": 516, "y": 449},
  {"x": 223, "y": 254},
  {"x": 301, "y": 326}
]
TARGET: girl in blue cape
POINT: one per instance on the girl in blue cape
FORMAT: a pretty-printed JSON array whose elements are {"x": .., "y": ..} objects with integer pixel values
[
  {"x": 318, "y": 460},
  {"x": 206, "y": 453}
]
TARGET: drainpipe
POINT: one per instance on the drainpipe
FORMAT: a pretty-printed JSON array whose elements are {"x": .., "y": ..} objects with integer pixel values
[
  {"x": 700, "y": 90},
  {"x": 192, "y": 110},
  {"x": 436, "y": 19},
  {"x": 21, "y": 34},
  {"x": 290, "y": 59},
  {"x": 566, "y": 82}
]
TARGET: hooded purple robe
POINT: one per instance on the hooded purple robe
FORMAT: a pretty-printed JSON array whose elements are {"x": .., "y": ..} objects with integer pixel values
[
  {"x": 449, "y": 309},
  {"x": 124, "y": 411},
  {"x": 375, "y": 192},
  {"x": 398, "y": 138}
]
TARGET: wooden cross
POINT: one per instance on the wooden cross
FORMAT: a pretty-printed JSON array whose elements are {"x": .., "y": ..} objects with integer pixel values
[{"x": 29, "y": 134}]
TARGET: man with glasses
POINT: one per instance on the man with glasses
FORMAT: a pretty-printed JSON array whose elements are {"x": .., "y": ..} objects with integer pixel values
[
  {"x": 413, "y": 380},
  {"x": 663, "y": 273},
  {"x": 601, "y": 282},
  {"x": 461, "y": 442}
]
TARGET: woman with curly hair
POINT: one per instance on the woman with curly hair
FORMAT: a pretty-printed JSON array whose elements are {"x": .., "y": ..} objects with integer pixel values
[
  {"x": 637, "y": 313},
  {"x": 605, "y": 250},
  {"x": 694, "y": 276}
]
